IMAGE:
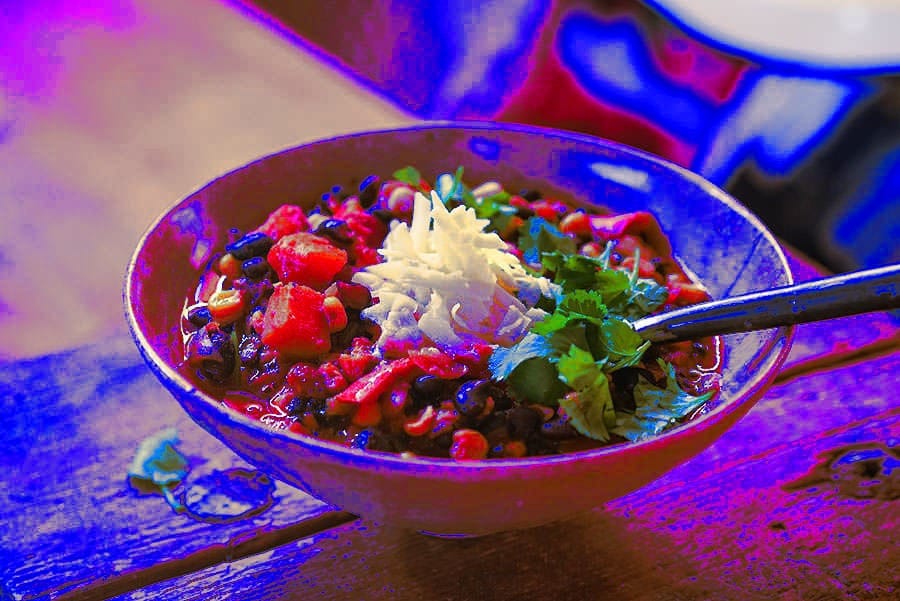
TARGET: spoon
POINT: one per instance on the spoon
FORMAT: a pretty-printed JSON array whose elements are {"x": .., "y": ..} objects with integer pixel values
[{"x": 837, "y": 296}]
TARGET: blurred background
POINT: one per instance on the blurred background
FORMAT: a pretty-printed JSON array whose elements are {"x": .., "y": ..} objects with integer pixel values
[
  {"x": 792, "y": 105},
  {"x": 110, "y": 110}
]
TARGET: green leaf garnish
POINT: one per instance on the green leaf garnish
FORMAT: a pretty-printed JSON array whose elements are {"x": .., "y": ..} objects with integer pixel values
[
  {"x": 590, "y": 407},
  {"x": 504, "y": 360},
  {"x": 158, "y": 467},
  {"x": 657, "y": 409},
  {"x": 619, "y": 343},
  {"x": 536, "y": 380},
  {"x": 409, "y": 175},
  {"x": 539, "y": 236}
]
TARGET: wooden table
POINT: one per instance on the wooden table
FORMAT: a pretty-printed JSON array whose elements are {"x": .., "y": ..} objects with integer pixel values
[{"x": 126, "y": 109}]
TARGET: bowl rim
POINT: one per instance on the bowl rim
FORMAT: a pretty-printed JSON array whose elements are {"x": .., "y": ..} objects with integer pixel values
[{"x": 423, "y": 464}]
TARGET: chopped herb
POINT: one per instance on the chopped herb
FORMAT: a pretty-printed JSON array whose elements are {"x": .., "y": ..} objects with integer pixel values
[
  {"x": 409, "y": 175},
  {"x": 590, "y": 407},
  {"x": 657, "y": 409},
  {"x": 538, "y": 236},
  {"x": 588, "y": 336},
  {"x": 504, "y": 360},
  {"x": 158, "y": 467},
  {"x": 536, "y": 380}
]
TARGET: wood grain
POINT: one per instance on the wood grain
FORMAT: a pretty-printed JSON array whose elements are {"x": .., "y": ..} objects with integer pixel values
[
  {"x": 71, "y": 424},
  {"x": 733, "y": 530},
  {"x": 111, "y": 112}
]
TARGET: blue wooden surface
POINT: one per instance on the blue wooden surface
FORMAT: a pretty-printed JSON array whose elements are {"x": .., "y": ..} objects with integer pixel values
[
  {"x": 748, "y": 527},
  {"x": 70, "y": 424}
]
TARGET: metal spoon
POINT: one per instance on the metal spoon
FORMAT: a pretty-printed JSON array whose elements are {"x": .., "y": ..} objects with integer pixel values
[{"x": 847, "y": 294}]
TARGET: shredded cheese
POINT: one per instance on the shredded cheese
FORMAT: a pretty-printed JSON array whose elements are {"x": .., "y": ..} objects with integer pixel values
[{"x": 446, "y": 281}]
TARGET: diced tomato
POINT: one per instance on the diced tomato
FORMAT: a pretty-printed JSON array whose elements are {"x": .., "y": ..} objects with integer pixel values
[
  {"x": 420, "y": 424},
  {"x": 306, "y": 259},
  {"x": 371, "y": 386},
  {"x": 435, "y": 363},
  {"x": 646, "y": 269},
  {"x": 576, "y": 224},
  {"x": 367, "y": 415},
  {"x": 468, "y": 444},
  {"x": 359, "y": 361},
  {"x": 285, "y": 220},
  {"x": 305, "y": 380},
  {"x": 295, "y": 323},
  {"x": 517, "y": 201},
  {"x": 365, "y": 255},
  {"x": 365, "y": 226},
  {"x": 638, "y": 223},
  {"x": 548, "y": 209},
  {"x": 332, "y": 377},
  {"x": 475, "y": 356},
  {"x": 335, "y": 313},
  {"x": 355, "y": 296},
  {"x": 682, "y": 294},
  {"x": 394, "y": 401}
]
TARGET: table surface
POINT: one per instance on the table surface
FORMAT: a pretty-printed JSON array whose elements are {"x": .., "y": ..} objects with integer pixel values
[{"x": 122, "y": 111}]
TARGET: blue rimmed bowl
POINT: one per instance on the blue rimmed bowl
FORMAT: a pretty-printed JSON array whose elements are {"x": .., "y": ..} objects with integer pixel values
[{"x": 714, "y": 236}]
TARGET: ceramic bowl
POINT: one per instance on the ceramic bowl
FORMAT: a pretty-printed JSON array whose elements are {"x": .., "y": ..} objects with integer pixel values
[{"x": 714, "y": 236}]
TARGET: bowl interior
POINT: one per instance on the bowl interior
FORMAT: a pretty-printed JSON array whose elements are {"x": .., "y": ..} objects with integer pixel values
[{"x": 713, "y": 235}]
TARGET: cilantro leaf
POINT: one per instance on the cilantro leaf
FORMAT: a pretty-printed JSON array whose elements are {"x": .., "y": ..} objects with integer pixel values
[
  {"x": 580, "y": 272},
  {"x": 538, "y": 236},
  {"x": 642, "y": 298},
  {"x": 504, "y": 360},
  {"x": 536, "y": 380},
  {"x": 158, "y": 467},
  {"x": 409, "y": 175},
  {"x": 584, "y": 304},
  {"x": 618, "y": 341},
  {"x": 657, "y": 409},
  {"x": 590, "y": 407},
  {"x": 458, "y": 193}
]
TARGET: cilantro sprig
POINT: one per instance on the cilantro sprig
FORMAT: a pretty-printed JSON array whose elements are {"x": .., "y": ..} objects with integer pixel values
[
  {"x": 587, "y": 337},
  {"x": 657, "y": 409}
]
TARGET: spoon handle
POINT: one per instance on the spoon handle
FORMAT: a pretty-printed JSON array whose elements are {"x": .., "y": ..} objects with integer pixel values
[{"x": 847, "y": 294}]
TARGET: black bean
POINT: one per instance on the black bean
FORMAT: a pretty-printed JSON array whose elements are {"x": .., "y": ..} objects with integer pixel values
[
  {"x": 622, "y": 389},
  {"x": 502, "y": 399},
  {"x": 384, "y": 215},
  {"x": 297, "y": 406},
  {"x": 427, "y": 390},
  {"x": 199, "y": 315},
  {"x": 254, "y": 244},
  {"x": 531, "y": 195},
  {"x": 257, "y": 290},
  {"x": 255, "y": 268},
  {"x": 557, "y": 428},
  {"x": 211, "y": 353},
  {"x": 443, "y": 441},
  {"x": 471, "y": 397},
  {"x": 335, "y": 230},
  {"x": 524, "y": 212},
  {"x": 523, "y": 422},
  {"x": 249, "y": 348},
  {"x": 368, "y": 191},
  {"x": 300, "y": 406}
]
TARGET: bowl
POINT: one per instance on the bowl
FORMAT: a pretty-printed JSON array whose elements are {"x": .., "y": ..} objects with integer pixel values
[{"x": 714, "y": 236}]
